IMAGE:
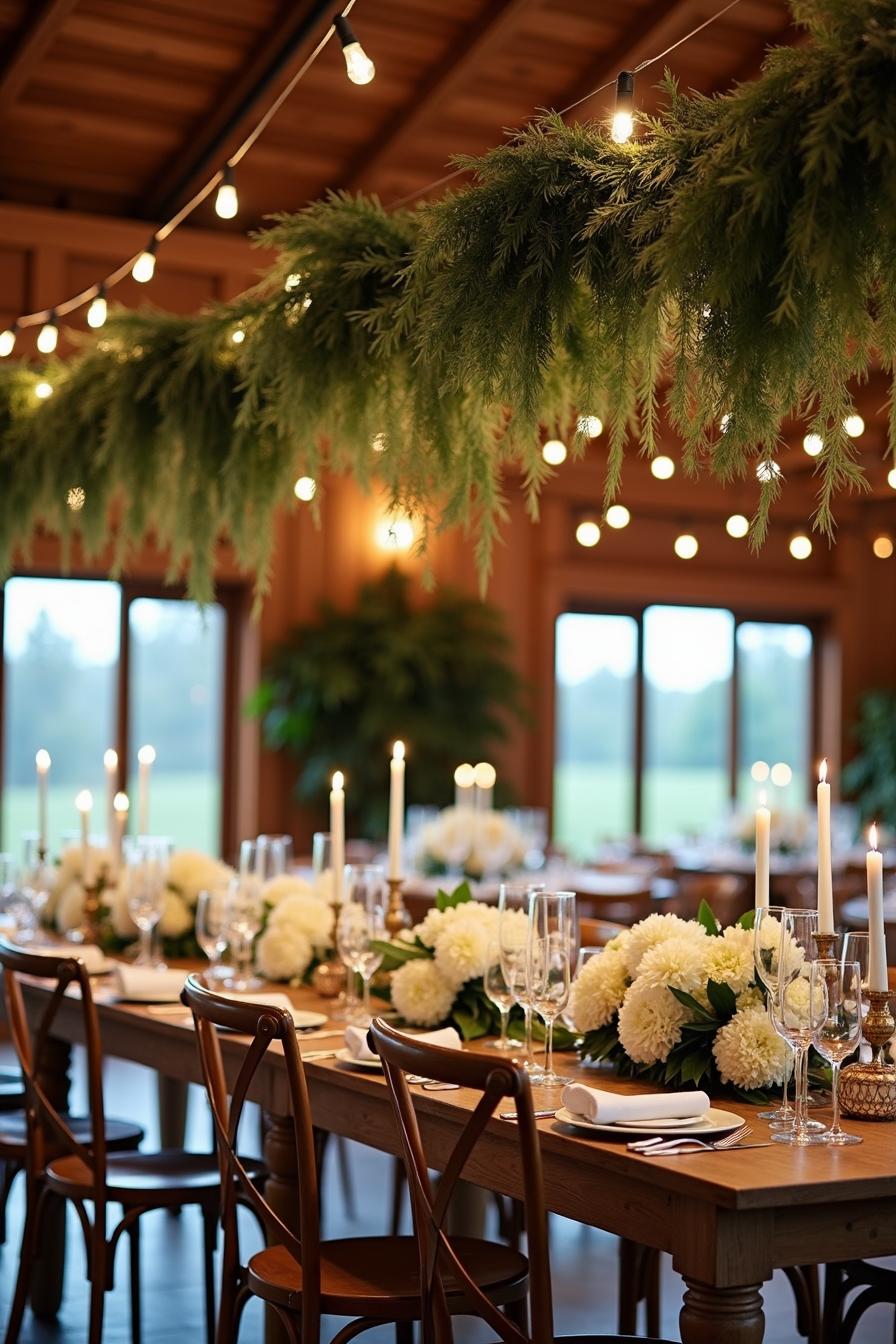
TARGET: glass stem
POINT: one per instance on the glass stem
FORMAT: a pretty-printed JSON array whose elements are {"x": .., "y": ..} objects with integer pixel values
[
  {"x": 801, "y": 1076},
  {"x": 366, "y": 1011},
  {"x": 789, "y": 1065},
  {"x": 835, "y": 1095},
  {"x": 505, "y": 1017},
  {"x": 146, "y": 945},
  {"x": 549, "y": 1047},
  {"x": 527, "y": 1014},
  {"x": 351, "y": 989}
]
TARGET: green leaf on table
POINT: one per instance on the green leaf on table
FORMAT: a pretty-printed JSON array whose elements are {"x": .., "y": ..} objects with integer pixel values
[
  {"x": 722, "y": 998},
  {"x": 459, "y": 896},
  {"x": 397, "y": 954},
  {"x": 468, "y": 1024},
  {"x": 706, "y": 917},
  {"x": 747, "y": 920},
  {"x": 693, "y": 1069},
  {"x": 688, "y": 1001}
]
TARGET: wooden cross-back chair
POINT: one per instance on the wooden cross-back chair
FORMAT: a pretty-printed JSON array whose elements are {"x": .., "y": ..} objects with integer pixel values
[
  {"x": 374, "y": 1280},
  {"x": 76, "y": 1162},
  {"x": 498, "y": 1082}
]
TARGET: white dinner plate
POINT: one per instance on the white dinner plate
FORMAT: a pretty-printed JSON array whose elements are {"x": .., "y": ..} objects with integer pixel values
[
  {"x": 346, "y": 1057},
  {"x": 665, "y": 1124},
  {"x": 302, "y": 1018},
  {"x": 714, "y": 1122}
]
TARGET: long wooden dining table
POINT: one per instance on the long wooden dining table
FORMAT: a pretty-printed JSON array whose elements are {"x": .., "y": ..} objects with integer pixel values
[{"x": 728, "y": 1219}]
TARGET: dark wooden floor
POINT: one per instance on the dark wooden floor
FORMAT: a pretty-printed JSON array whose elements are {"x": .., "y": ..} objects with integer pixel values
[{"x": 583, "y": 1260}]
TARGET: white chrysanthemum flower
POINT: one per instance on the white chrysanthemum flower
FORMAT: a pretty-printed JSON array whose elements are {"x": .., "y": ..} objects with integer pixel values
[
  {"x": 278, "y": 888},
  {"x": 748, "y": 1051},
  {"x": 283, "y": 952},
  {"x": 306, "y": 914},
  {"x": 598, "y": 990},
  {"x": 69, "y": 907},
  {"x": 513, "y": 930},
  {"x": 177, "y": 917},
  {"x": 420, "y": 993},
  {"x": 650, "y": 1022},
  {"x": 729, "y": 959},
  {"x": 656, "y": 929},
  {"x": 462, "y": 949},
  {"x": 190, "y": 872},
  {"x": 429, "y": 928},
  {"x": 676, "y": 962},
  {"x": 752, "y": 997},
  {"x": 620, "y": 942}
]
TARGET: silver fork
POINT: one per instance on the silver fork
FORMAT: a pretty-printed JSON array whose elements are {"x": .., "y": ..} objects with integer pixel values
[{"x": 658, "y": 1146}]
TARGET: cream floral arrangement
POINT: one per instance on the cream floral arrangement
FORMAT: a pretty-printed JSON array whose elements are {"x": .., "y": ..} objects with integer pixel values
[
  {"x": 477, "y": 844},
  {"x": 298, "y": 927},
  {"x": 676, "y": 1001}
]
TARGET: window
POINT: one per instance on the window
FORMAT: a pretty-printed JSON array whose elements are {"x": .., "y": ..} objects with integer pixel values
[
  {"x": 89, "y": 665},
  {"x": 661, "y": 713}
]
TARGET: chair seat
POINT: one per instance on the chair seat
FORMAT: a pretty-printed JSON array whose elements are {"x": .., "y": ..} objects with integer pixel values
[
  {"x": 379, "y": 1276},
  {"x": 170, "y": 1176},
  {"x": 121, "y": 1135}
]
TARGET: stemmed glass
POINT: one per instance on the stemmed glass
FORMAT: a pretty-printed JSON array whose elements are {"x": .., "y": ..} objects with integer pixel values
[
  {"x": 498, "y": 992},
  {"x": 552, "y": 918},
  {"x": 513, "y": 938},
  {"x": 361, "y": 925},
  {"x": 144, "y": 875},
  {"x": 35, "y": 884},
  {"x": 835, "y": 998},
  {"x": 585, "y": 955},
  {"x": 855, "y": 948},
  {"x": 766, "y": 951},
  {"x": 321, "y": 852},
  {"x": 211, "y": 931},
  {"x": 273, "y": 856},
  {"x": 364, "y": 886},
  {"x": 794, "y": 1009}
]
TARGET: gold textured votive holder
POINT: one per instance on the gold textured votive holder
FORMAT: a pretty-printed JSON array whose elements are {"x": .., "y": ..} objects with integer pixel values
[
  {"x": 824, "y": 946},
  {"x": 868, "y": 1091},
  {"x": 397, "y": 917},
  {"x": 88, "y": 931}
]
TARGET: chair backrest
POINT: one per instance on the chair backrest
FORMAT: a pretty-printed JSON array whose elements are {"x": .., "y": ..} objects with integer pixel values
[
  {"x": 44, "y": 1120},
  {"x": 498, "y": 1081},
  {"x": 265, "y": 1025},
  {"x": 598, "y": 932}
]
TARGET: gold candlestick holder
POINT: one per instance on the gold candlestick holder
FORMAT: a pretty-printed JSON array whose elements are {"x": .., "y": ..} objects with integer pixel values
[
  {"x": 88, "y": 931},
  {"x": 824, "y": 946},
  {"x": 868, "y": 1091},
  {"x": 397, "y": 917}
]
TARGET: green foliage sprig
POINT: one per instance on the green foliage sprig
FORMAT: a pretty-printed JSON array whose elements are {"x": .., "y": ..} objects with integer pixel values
[{"x": 734, "y": 264}]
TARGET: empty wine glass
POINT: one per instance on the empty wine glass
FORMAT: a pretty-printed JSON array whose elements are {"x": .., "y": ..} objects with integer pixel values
[
  {"x": 513, "y": 942},
  {"x": 211, "y": 931},
  {"x": 794, "y": 1012},
  {"x": 273, "y": 856},
  {"x": 144, "y": 875},
  {"x": 836, "y": 1009},
  {"x": 361, "y": 926},
  {"x": 584, "y": 956},
  {"x": 364, "y": 884},
  {"x": 321, "y": 852},
  {"x": 766, "y": 951},
  {"x": 245, "y": 908},
  {"x": 548, "y": 962},
  {"x": 498, "y": 992},
  {"x": 34, "y": 883}
]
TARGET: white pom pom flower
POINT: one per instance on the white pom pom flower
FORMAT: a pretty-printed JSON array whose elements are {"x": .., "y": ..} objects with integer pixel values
[
  {"x": 656, "y": 929},
  {"x": 729, "y": 959},
  {"x": 177, "y": 917},
  {"x": 748, "y": 1051},
  {"x": 420, "y": 993},
  {"x": 650, "y": 1022},
  {"x": 598, "y": 990},
  {"x": 283, "y": 952}
]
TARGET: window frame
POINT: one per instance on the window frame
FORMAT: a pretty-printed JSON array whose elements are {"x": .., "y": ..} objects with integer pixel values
[{"x": 743, "y": 615}]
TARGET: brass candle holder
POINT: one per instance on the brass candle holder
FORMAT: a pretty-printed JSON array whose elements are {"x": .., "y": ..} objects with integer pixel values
[
  {"x": 824, "y": 946},
  {"x": 868, "y": 1091},
  {"x": 397, "y": 917},
  {"x": 88, "y": 931}
]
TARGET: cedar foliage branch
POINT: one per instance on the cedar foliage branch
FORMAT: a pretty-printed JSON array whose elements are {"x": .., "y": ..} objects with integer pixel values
[{"x": 735, "y": 261}]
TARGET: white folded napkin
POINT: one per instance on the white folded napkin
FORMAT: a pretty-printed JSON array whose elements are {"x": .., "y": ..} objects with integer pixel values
[
  {"x": 608, "y": 1108},
  {"x": 356, "y": 1041},
  {"x": 93, "y": 957},
  {"x": 147, "y": 984}
]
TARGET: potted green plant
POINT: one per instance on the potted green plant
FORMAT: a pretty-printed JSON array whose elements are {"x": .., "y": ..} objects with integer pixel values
[{"x": 870, "y": 777}]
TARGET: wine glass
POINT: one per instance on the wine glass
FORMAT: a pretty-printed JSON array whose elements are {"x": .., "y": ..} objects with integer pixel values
[
  {"x": 321, "y": 852},
  {"x": 211, "y": 931},
  {"x": 35, "y": 883},
  {"x": 835, "y": 1000},
  {"x": 855, "y": 948},
  {"x": 364, "y": 884},
  {"x": 273, "y": 856},
  {"x": 794, "y": 1016},
  {"x": 766, "y": 951},
  {"x": 244, "y": 911},
  {"x": 513, "y": 938},
  {"x": 498, "y": 992},
  {"x": 144, "y": 873},
  {"x": 548, "y": 963},
  {"x": 584, "y": 956},
  {"x": 361, "y": 927}
]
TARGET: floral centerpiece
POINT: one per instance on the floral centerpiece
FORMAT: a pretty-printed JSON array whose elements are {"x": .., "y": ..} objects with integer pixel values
[
  {"x": 475, "y": 843},
  {"x": 297, "y": 927}
]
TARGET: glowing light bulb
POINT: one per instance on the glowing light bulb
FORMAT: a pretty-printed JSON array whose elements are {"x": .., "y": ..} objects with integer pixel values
[
  {"x": 662, "y": 468},
  {"x": 43, "y": 390},
  {"x": 891, "y": 478},
  {"x": 813, "y": 444},
  {"x": 394, "y": 534},
  {"x": 622, "y": 128},
  {"x": 882, "y": 547},
  {"x": 623, "y": 120},
  {"x": 98, "y": 310},
  {"x": 7, "y": 341},
  {"x": 144, "y": 268},
  {"x": 767, "y": 470},
  {"x": 588, "y": 533},
  {"x": 226, "y": 200},
  {"x": 554, "y": 452},
  {"x": 854, "y": 426},
  {"x": 686, "y": 546},
  {"x": 48, "y": 336},
  {"x": 618, "y": 516},
  {"x": 305, "y": 489},
  {"x": 590, "y": 425},
  {"x": 800, "y": 546},
  {"x": 238, "y": 335},
  {"x": 737, "y": 525},
  {"x": 759, "y": 771},
  {"x": 358, "y": 65}
]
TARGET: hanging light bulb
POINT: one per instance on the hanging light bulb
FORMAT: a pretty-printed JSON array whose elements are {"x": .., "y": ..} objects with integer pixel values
[
  {"x": 813, "y": 444},
  {"x": 854, "y": 426},
  {"x": 43, "y": 390},
  {"x": 359, "y": 67},
  {"x": 662, "y": 467},
  {"x": 623, "y": 120},
  {"x": 686, "y": 546},
  {"x": 48, "y": 336},
  {"x": 737, "y": 525},
  {"x": 144, "y": 268},
  {"x": 98, "y": 310},
  {"x": 800, "y": 546},
  {"x": 554, "y": 452},
  {"x": 8, "y": 340},
  {"x": 618, "y": 516},
  {"x": 227, "y": 202}
]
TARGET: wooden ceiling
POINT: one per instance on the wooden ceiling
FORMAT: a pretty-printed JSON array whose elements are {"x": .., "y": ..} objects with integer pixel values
[{"x": 122, "y": 107}]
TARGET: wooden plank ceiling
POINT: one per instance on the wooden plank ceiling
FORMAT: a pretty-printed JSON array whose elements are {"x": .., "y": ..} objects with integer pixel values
[{"x": 121, "y": 108}]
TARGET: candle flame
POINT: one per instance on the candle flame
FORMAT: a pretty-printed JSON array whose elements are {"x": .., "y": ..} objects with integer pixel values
[
  {"x": 146, "y": 755},
  {"x": 465, "y": 776},
  {"x": 121, "y": 802},
  {"x": 872, "y": 835},
  {"x": 484, "y": 775},
  {"x": 338, "y": 781},
  {"x": 110, "y": 759},
  {"x": 762, "y": 797},
  {"x": 42, "y": 760},
  {"x": 84, "y": 801},
  {"x": 823, "y": 771},
  {"x": 398, "y": 751}
]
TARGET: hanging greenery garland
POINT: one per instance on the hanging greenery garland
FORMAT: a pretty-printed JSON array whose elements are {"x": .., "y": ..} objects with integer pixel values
[{"x": 735, "y": 266}]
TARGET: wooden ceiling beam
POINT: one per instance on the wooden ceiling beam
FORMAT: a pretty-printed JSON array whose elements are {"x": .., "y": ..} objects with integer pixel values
[
  {"x": 20, "y": 61},
  {"x": 496, "y": 21},
  {"x": 222, "y": 128}
]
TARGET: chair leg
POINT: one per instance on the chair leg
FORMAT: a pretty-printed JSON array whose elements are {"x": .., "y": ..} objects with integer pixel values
[
  {"x": 404, "y": 1332},
  {"x": 210, "y": 1237},
  {"x": 97, "y": 1295},
  {"x": 345, "y": 1176},
  {"x": 26, "y": 1259},
  {"x": 134, "y": 1243},
  {"x": 7, "y": 1176},
  {"x": 399, "y": 1181},
  {"x": 651, "y": 1289}
]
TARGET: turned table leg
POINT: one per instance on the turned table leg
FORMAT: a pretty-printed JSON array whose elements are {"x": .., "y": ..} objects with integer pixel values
[
  {"x": 49, "y": 1263},
  {"x": 709, "y": 1315},
  {"x": 172, "y": 1099},
  {"x": 282, "y": 1193}
]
